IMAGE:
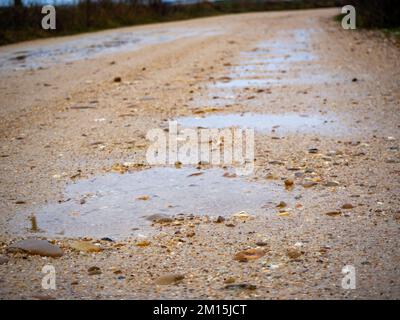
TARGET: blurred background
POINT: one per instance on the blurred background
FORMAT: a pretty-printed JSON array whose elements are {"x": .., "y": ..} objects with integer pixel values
[{"x": 21, "y": 19}]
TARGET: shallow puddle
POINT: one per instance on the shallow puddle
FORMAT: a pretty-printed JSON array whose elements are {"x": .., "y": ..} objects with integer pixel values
[
  {"x": 278, "y": 57},
  {"x": 114, "y": 205},
  {"x": 280, "y": 123},
  {"x": 91, "y": 46},
  {"x": 245, "y": 83},
  {"x": 266, "y": 80},
  {"x": 277, "y": 63}
]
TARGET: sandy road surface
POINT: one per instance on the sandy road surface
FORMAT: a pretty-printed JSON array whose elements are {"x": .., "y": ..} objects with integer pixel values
[{"x": 333, "y": 97}]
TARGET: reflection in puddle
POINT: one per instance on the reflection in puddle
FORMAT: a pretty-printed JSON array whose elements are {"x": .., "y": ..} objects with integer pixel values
[
  {"x": 113, "y": 204},
  {"x": 280, "y": 123}
]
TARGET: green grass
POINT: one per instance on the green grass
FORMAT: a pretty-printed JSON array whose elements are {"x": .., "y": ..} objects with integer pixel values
[
  {"x": 339, "y": 17},
  {"x": 393, "y": 33}
]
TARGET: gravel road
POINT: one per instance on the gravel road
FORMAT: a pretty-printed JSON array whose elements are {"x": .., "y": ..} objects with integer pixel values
[{"x": 324, "y": 194}]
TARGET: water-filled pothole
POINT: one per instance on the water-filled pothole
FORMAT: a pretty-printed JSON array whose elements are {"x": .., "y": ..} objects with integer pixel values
[
  {"x": 279, "y": 123},
  {"x": 116, "y": 205},
  {"x": 272, "y": 63}
]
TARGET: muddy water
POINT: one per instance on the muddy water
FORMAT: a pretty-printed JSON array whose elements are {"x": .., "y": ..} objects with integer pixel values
[
  {"x": 276, "y": 123},
  {"x": 90, "y": 46},
  {"x": 117, "y": 205}
]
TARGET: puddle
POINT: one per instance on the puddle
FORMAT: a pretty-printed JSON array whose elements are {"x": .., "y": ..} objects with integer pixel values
[
  {"x": 245, "y": 83},
  {"x": 108, "y": 205},
  {"x": 91, "y": 46},
  {"x": 256, "y": 67},
  {"x": 286, "y": 56},
  {"x": 280, "y": 123},
  {"x": 257, "y": 80},
  {"x": 289, "y": 61}
]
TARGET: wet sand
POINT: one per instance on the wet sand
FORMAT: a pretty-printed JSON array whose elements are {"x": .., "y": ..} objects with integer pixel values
[{"x": 325, "y": 106}]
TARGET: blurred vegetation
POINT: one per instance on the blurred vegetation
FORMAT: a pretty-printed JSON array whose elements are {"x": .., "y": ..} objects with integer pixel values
[
  {"x": 18, "y": 22},
  {"x": 377, "y": 14}
]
